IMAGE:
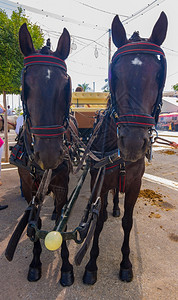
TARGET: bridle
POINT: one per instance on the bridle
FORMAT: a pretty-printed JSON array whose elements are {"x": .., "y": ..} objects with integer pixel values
[
  {"x": 51, "y": 131},
  {"x": 138, "y": 119}
]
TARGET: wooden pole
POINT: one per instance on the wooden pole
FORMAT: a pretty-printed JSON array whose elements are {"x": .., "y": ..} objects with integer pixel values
[{"x": 6, "y": 146}]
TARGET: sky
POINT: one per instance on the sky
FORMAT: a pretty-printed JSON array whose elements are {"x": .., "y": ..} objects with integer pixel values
[{"x": 88, "y": 22}]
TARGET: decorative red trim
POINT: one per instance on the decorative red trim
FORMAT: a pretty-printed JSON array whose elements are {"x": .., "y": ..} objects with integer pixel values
[
  {"x": 132, "y": 44},
  {"x": 35, "y": 56},
  {"x": 124, "y": 185},
  {"x": 48, "y": 128},
  {"x": 54, "y": 134},
  {"x": 111, "y": 167},
  {"x": 35, "y": 62},
  {"x": 132, "y": 115},
  {"x": 124, "y": 122},
  {"x": 131, "y": 50}
]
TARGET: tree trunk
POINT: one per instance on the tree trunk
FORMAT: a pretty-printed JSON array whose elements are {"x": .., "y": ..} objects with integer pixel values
[{"x": 6, "y": 146}]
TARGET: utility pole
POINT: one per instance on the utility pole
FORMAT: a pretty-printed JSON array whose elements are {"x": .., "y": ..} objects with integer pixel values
[
  {"x": 12, "y": 102},
  {"x": 6, "y": 146},
  {"x": 109, "y": 48},
  {"x": 94, "y": 86}
]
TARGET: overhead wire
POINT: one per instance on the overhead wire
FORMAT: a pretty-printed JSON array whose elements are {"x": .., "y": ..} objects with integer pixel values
[
  {"x": 61, "y": 18},
  {"x": 140, "y": 12},
  {"x": 73, "y": 21},
  {"x": 9, "y": 4},
  {"x": 98, "y": 9},
  {"x": 132, "y": 17},
  {"x": 89, "y": 44},
  {"x": 172, "y": 74}
]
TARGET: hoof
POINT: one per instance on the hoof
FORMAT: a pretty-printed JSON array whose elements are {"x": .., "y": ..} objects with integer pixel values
[
  {"x": 34, "y": 274},
  {"x": 116, "y": 213},
  {"x": 126, "y": 275},
  {"x": 3, "y": 207},
  {"x": 90, "y": 277},
  {"x": 67, "y": 278}
]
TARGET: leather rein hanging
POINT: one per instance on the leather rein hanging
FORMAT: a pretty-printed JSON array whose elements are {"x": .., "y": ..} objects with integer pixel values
[
  {"x": 51, "y": 131},
  {"x": 142, "y": 120}
]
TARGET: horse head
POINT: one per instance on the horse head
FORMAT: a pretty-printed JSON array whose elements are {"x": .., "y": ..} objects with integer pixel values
[
  {"x": 137, "y": 76},
  {"x": 46, "y": 96}
]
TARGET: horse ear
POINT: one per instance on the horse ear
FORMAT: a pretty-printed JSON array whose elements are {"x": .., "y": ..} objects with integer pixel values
[
  {"x": 118, "y": 33},
  {"x": 25, "y": 41},
  {"x": 159, "y": 31},
  {"x": 63, "y": 47}
]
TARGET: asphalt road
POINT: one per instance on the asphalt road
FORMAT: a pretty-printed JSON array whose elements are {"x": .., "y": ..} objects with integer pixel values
[{"x": 153, "y": 242}]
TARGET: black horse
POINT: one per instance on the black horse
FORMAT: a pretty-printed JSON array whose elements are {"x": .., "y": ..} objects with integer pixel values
[
  {"x": 46, "y": 97},
  {"x": 137, "y": 76}
]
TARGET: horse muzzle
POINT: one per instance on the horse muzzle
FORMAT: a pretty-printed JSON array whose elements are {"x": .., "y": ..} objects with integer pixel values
[
  {"x": 133, "y": 142},
  {"x": 48, "y": 153}
]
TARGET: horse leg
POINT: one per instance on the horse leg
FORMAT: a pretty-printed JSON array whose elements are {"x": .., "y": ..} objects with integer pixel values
[
  {"x": 131, "y": 195},
  {"x": 26, "y": 183},
  {"x": 67, "y": 275},
  {"x": 34, "y": 272},
  {"x": 116, "y": 209},
  {"x": 54, "y": 213},
  {"x": 90, "y": 275}
]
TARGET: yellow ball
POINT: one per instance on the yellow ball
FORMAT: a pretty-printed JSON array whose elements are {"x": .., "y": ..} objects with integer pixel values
[{"x": 53, "y": 240}]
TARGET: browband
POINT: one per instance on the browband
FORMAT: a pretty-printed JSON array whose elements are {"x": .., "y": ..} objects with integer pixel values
[
  {"x": 138, "y": 47},
  {"x": 40, "y": 59}
]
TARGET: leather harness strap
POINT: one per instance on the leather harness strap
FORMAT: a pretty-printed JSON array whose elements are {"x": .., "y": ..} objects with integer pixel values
[
  {"x": 137, "y": 47},
  {"x": 87, "y": 148},
  {"x": 48, "y": 131},
  {"x": 37, "y": 59},
  {"x": 144, "y": 120}
]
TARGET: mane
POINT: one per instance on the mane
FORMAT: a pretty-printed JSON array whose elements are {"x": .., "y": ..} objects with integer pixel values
[
  {"x": 136, "y": 37},
  {"x": 45, "y": 50}
]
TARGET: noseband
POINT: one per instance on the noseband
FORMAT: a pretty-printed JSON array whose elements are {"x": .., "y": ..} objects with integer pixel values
[
  {"x": 47, "y": 60},
  {"x": 142, "y": 120}
]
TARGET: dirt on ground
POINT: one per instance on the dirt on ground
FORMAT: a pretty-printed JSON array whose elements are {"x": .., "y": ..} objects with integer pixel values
[{"x": 153, "y": 242}]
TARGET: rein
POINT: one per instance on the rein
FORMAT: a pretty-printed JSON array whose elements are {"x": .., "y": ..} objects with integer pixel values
[{"x": 90, "y": 142}]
